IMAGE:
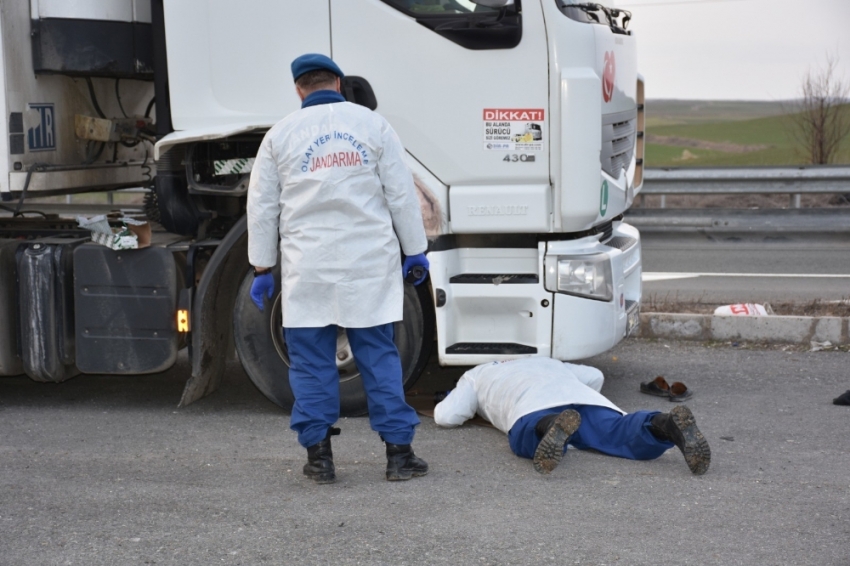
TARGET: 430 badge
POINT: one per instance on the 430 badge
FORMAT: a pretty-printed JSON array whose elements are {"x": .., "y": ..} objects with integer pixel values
[{"x": 518, "y": 158}]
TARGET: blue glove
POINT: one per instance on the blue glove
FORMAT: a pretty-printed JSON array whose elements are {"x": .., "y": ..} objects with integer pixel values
[
  {"x": 415, "y": 267},
  {"x": 262, "y": 285}
]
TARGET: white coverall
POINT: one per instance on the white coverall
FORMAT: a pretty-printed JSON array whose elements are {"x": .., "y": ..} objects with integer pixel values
[
  {"x": 337, "y": 200},
  {"x": 516, "y": 395},
  {"x": 503, "y": 392}
]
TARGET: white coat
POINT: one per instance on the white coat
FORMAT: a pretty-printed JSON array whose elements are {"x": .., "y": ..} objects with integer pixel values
[
  {"x": 330, "y": 181},
  {"x": 504, "y": 392}
]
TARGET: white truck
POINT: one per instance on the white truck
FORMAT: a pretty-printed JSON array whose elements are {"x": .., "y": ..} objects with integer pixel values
[{"x": 523, "y": 123}]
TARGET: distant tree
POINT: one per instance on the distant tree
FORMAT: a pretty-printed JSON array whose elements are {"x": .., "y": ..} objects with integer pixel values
[{"x": 820, "y": 120}]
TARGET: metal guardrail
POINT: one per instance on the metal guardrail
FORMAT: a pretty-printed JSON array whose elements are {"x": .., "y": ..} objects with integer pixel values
[
  {"x": 794, "y": 181},
  {"x": 766, "y": 220}
]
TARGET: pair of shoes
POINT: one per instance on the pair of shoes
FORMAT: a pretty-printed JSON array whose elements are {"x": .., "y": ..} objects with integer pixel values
[
  {"x": 658, "y": 387},
  {"x": 556, "y": 431},
  {"x": 680, "y": 427},
  {"x": 843, "y": 399},
  {"x": 320, "y": 460},
  {"x": 403, "y": 464}
]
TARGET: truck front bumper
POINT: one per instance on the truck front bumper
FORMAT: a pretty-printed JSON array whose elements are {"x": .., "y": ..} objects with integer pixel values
[
  {"x": 503, "y": 303},
  {"x": 582, "y": 326}
]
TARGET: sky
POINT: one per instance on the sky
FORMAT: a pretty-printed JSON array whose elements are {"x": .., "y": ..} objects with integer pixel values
[{"x": 737, "y": 49}]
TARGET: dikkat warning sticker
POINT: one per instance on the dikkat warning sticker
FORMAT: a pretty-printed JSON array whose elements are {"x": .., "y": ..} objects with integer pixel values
[{"x": 514, "y": 129}]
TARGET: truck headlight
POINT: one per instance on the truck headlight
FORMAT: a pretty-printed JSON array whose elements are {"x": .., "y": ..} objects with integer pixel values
[{"x": 584, "y": 276}]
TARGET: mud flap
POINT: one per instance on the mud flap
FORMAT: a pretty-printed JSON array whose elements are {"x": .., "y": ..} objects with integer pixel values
[
  {"x": 46, "y": 302},
  {"x": 126, "y": 305},
  {"x": 212, "y": 313}
]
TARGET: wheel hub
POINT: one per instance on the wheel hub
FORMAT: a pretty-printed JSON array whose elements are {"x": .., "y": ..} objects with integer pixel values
[{"x": 345, "y": 364}]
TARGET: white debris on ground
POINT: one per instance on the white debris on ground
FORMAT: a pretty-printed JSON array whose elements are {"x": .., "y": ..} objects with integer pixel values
[
  {"x": 818, "y": 346},
  {"x": 745, "y": 309}
]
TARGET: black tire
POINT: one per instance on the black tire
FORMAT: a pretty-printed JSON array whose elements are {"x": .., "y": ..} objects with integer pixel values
[{"x": 262, "y": 351}]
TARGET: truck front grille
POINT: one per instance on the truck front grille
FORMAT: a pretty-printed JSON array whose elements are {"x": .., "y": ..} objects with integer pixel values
[
  {"x": 618, "y": 141},
  {"x": 622, "y": 243}
]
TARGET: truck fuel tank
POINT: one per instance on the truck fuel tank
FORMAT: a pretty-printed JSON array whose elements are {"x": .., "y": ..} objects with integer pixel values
[{"x": 46, "y": 307}]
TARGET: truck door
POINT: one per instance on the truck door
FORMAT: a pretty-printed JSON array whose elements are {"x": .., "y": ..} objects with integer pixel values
[{"x": 436, "y": 66}]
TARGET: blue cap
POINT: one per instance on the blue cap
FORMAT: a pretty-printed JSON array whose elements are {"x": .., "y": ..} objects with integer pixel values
[{"x": 314, "y": 62}]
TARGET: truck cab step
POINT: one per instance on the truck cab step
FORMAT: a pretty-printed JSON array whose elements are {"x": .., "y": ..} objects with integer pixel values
[
  {"x": 495, "y": 278},
  {"x": 490, "y": 348}
]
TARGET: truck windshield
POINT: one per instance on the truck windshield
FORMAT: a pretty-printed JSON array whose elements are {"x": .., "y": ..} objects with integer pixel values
[
  {"x": 466, "y": 23},
  {"x": 440, "y": 7}
]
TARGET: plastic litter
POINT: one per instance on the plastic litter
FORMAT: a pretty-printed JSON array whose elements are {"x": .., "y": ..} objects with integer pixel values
[
  {"x": 744, "y": 309},
  {"x": 132, "y": 235}
]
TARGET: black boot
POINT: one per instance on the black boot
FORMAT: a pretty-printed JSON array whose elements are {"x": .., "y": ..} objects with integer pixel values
[
  {"x": 403, "y": 464},
  {"x": 680, "y": 427},
  {"x": 320, "y": 460},
  {"x": 555, "y": 431}
]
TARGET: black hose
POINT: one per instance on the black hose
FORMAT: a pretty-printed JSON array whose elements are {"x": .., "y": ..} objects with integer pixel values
[
  {"x": 33, "y": 167},
  {"x": 118, "y": 96},
  {"x": 94, "y": 99},
  {"x": 150, "y": 203},
  {"x": 22, "y": 212},
  {"x": 150, "y": 105},
  {"x": 146, "y": 169}
]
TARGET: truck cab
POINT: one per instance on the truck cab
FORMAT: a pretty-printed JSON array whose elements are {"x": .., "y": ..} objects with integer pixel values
[{"x": 522, "y": 122}]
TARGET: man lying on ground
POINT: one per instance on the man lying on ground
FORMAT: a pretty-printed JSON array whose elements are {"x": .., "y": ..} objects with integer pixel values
[{"x": 543, "y": 405}]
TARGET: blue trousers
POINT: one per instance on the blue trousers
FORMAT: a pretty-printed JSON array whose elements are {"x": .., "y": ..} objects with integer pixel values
[
  {"x": 315, "y": 382},
  {"x": 601, "y": 429}
]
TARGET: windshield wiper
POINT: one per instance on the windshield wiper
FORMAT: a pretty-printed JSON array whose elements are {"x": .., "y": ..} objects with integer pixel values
[{"x": 618, "y": 20}]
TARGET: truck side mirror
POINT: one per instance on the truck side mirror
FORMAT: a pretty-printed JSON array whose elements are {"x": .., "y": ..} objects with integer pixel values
[{"x": 359, "y": 91}]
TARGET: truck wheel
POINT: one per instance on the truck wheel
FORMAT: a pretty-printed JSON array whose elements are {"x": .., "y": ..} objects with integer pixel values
[{"x": 264, "y": 356}]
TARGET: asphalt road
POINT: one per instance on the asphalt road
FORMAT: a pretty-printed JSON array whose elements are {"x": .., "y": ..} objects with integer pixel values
[
  {"x": 736, "y": 268},
  {"x": 106, "y": 470}
]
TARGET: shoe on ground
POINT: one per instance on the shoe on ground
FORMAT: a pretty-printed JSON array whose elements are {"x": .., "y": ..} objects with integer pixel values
[
  {"x": 680, "y": 427},
  {"x": 556, "y": 431},
  {"x": 403, "y": 464},
  {"x": 843, "y": 399},
  {"x": 320, "y": 460}
]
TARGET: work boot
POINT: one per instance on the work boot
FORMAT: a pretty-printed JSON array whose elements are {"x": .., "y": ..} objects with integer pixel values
[
  {"x": 403, "y": 464},
  {"x": 320, "y": 460},
  {"x": 680, "y": 427},
  {"x": 556, "y": 431}
]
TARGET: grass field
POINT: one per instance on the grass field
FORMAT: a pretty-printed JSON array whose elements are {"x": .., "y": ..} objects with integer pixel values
[
  {"x": 675, "y": 112},
  {"x": 712, "y": 134}
]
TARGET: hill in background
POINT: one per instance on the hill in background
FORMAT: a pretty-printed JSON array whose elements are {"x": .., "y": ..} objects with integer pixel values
[
  {"x": 704, "y": 133},
  {"x": 676, "y": 112}
]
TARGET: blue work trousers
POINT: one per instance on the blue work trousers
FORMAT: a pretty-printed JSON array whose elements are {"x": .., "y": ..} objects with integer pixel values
[
  {"x": 602, "y": 429},
  {"x": 314, "y": 379}
]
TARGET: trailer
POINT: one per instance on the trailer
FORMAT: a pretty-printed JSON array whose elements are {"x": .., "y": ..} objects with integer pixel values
[{"x": 523, "y": 125}]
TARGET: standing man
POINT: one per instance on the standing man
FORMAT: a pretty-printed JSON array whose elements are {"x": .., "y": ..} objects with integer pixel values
[
  {"x": 330, "y": 181},
  {"x": 543, "y": 405}
]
